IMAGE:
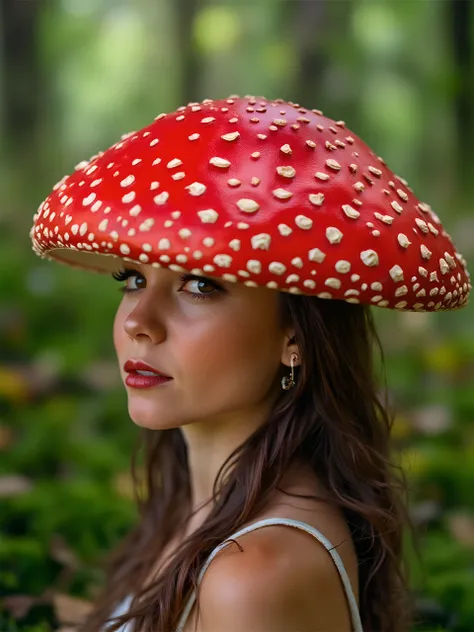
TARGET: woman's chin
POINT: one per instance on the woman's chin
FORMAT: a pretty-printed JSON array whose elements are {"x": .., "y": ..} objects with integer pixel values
[{"x": 147, "y": 416}]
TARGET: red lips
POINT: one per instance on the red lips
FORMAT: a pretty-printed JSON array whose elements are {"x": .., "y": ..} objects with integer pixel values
[{"x": 136, "y": 365}]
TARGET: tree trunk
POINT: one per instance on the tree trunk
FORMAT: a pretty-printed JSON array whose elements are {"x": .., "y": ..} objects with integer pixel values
[
  {"x": 309, "y": 20},
  {"x": 21, "y": 84},
  {"x": 185, "y": 12},
  {"x": 460, "y": 23}
]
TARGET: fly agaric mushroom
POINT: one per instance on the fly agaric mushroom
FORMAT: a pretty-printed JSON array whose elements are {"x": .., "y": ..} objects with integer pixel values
[{"x": 267, "y": 193}]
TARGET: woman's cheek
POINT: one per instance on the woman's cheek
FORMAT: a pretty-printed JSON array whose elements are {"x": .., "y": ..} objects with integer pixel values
[{"x": 118, "y": 331}]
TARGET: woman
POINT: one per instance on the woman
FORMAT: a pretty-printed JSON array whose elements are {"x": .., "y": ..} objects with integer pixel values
[{"x": 265, "y": 401}]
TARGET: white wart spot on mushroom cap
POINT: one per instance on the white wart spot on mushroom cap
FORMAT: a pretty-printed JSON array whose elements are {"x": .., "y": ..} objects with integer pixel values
[
  {"x": 333, "y": 164},
  {"x": 316, "y": 198},
  {"x": 315, "y": 254},
  {"x": 129, "y": 197},
  {"x": 164, "y": 244},
  {"x": 248, "y": 205},
  {"x": 443, "y": 266},
  {"x": 196, "y": 188},
  {"x": 333, "y": 283},
  {"x": 303, "y": 222},
  {"x": 396, "y": 273},
  {"x": 253, "y": 265},
  {"x": 369, "y": 258},
  {"x": 126, "y": 182},
  {"x": 282, "y": 194},
  {"x": 284, "y": 230},
  {"x": 425, "y": 252},
  {"x": 342, "y": 266},
  {"x": 386, "y": 219},
  {"x": 87, "y": 201},
  {"x": 375, "y": 171},
  {"x": 403, "y": 240},
  {"x": 333, "y": 235},
  {"x": 276, "y": 267},
  {"x": 422, "y": 225},
  {"x": 286, "y": 171},
  {"x": 162, "y": 198},
  {"x": 222, "y": 260},
  {"x": 231, "y": 136},
  {"x": 208, "y": 216},
  {"x": 261, "y": 241},
  {"x": 222, "y": 163},
  {"x": 451, "y": 262},
  {"x": 401, "y": 291},
  {"x": 350, "y": 212}
]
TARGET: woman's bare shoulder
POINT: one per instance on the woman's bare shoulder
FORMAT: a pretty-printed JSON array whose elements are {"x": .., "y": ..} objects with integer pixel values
[
  {"x": 276, "y": 581},
  {"x": 278, "y": 578}
]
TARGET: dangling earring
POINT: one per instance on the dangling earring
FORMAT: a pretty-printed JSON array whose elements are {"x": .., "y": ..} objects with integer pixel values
[{"x": 288, "y": 382}]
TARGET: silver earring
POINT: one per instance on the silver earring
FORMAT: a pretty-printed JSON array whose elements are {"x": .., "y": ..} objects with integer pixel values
[{"x": 288, "y": 382}]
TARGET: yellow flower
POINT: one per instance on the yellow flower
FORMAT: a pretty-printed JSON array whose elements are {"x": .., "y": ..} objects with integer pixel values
[
  {"x": 13, "y": 385},
  {"x": 401, "y": 428},
  {"x": 413, "y": 461},
  {"x": 443, "y": 358}
]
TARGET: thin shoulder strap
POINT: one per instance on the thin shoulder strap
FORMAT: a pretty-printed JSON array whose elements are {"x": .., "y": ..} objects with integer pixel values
[
  {"x": 118, "y": 611},
  {"x": 355, "y": 616}
]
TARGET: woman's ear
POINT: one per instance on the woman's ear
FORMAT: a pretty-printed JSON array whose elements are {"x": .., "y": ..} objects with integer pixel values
[{"x": 290, "y": 348}]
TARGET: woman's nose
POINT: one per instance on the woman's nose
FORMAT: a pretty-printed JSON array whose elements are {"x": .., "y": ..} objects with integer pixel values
[{"x": 143, "y": 321}]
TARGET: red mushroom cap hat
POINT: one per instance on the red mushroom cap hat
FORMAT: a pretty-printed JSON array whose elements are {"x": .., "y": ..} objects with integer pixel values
[{"x": 266, "y": 193}]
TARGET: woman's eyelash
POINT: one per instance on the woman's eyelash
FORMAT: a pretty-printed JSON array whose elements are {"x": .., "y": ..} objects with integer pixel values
[{"x": 123, "y": 275}]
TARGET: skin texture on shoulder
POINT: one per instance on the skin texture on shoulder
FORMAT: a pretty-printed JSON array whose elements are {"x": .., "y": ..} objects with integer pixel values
[{"x": 282, "y": 581}]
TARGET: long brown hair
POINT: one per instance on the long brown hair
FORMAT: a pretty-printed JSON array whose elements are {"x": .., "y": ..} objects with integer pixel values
[{"x": 336, "y": 420}]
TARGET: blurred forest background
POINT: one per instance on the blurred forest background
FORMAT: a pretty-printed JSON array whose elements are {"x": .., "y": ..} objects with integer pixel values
[{"x": 77, "y": 74}]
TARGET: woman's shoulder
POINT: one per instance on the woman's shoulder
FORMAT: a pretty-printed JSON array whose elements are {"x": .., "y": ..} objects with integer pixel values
[
  {"x": 268, "y": 572},
  {"x": 279, "y": 579}
]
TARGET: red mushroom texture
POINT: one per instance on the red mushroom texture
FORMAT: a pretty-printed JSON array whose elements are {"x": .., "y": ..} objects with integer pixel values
[{"x": 262, "y": 192}]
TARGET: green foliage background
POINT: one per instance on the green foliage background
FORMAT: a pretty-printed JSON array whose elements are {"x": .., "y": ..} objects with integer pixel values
[{"x": 400, "y": 73}]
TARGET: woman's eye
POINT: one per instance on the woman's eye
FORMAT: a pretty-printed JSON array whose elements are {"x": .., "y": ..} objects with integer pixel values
[
  {"x": 133, "y": 280},
  {"x": 198, "y": 287}
]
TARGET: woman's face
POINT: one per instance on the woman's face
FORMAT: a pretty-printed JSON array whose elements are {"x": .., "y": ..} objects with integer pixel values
[{"x": 222, "y": 343}]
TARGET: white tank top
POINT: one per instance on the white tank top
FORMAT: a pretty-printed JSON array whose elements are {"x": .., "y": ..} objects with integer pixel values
[{"x": 355, "y": 617}]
